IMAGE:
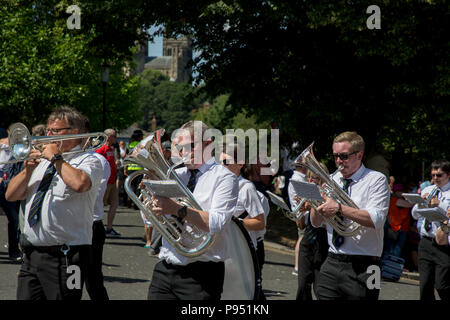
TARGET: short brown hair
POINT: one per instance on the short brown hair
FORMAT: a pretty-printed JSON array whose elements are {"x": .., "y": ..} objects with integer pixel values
[
  {"x": 73, "y": 117},
  {"x": 355, "y": 140}
]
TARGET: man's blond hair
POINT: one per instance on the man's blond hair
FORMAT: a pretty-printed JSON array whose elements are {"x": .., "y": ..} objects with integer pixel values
[{"x": 355, "y": 140}]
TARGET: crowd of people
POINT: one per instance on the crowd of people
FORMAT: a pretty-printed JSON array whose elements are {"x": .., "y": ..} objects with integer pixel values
[{"x": 55, "y": 203}]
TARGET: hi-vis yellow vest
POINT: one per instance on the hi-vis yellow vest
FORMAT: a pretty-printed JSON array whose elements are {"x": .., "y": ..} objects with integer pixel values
[{"x": 133, "y": 166}]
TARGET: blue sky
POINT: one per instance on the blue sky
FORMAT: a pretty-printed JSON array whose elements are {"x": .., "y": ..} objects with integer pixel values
[{"x": 155, "y": 47}]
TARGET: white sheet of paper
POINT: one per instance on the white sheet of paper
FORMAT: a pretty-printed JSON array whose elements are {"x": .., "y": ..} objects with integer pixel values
[
  {"x": 413, "y": 198},
  {"x": 432, "y": 214},
  {"x": 306, "y": 190},
  {"x": 164, "y": 188},
  {"x": 278, "y": 201}
]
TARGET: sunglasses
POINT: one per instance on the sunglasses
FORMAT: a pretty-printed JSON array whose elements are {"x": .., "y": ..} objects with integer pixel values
[
  {"x": 437, "y": 175},
  {"x": 56, "y": 130},
  {"x": 343, "y": 156},
  {"x": 189, "y": 146}
]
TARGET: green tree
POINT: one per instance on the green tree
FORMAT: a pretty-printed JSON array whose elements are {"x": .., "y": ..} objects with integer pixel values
[
  {"x": 44, "y": 64},
  {"x": 317, "y": 70}
]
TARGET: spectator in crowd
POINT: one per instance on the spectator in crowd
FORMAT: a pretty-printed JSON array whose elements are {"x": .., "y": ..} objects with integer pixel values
[
  {"x": 111, "y": 197},
  {"x": 397, "y": 222}
]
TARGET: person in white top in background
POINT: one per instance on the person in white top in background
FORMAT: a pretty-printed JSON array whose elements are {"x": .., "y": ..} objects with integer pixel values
[
  {"x": 298, "y": 175},
  {"x": 434, "y": 259},
  {"x": 94, "y": 277},
  {"x": 344, "y": 273},
  {"x": 216, "y": 189},
  {"x": 252, "y": 206},
  {"x": 57, "y": 231}
]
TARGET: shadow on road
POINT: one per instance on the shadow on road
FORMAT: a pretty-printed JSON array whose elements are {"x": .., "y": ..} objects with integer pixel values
[{"x": 123, "y": 279}]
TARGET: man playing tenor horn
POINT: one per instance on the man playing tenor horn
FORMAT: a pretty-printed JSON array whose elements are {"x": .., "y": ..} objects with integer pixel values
[{"x": 344, "y": 273}]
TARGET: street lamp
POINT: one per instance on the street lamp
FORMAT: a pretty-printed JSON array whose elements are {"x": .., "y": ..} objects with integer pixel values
[{"x": 105, "y": 78}]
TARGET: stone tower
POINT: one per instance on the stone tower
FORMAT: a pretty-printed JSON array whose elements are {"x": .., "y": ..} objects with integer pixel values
[{"x": 180, "y": 52}]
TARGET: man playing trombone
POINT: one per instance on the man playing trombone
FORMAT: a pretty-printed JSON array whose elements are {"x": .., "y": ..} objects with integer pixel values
[
  {"x": 344, "y": 273},
  {"x": 59, "y": 193}
]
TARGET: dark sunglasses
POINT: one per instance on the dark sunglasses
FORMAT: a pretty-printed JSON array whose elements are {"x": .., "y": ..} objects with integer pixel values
[
  {"x": 437, "y": 175},
  {"x": 189, "y": 146},
  {"x": 56, "y": 130},
  {"x": 343, "y": 156}
]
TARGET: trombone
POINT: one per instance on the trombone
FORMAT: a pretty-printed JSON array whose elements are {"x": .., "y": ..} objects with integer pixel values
[{"x": 21, "y": 142}]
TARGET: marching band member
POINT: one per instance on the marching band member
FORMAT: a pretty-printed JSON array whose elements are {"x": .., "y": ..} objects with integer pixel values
[
  {"x": 216, "y": 190},
  {"x": 344, "y": 273},
  {"x": 252, "y": 206},
  {"x": 434, "y": 259},
  {"x": 313, "y": 247},
  {"x": 59, "y": 193}
]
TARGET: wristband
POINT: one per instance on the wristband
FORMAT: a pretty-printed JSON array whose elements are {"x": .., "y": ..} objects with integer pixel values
[{"x": 56, "y": 157}]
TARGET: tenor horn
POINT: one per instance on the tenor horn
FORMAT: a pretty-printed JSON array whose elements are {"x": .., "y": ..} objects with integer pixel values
[
  {"x": 21, "y": 142},
  {"x": 331, "y": 190},
  {"x": 187, "y": 239}
]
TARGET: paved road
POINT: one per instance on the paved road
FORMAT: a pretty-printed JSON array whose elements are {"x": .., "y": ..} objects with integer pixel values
[{"x": 128, "y": 267}]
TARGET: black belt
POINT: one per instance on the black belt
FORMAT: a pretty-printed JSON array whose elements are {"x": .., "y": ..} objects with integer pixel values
[
  {"x": 52, "y": 250},
  {"x": 353, "y": 258},
  {"x": 191, "y": 265},
  {"x": 428, "y": 238}
]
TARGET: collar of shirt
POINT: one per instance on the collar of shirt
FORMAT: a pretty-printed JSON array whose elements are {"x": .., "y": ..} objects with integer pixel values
[{"x": 446, "y": 187}]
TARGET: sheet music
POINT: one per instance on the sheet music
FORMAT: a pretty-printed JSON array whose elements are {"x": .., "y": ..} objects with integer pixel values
[
  {"x": 413, "y": 198},
  {"x": 306, "y": 190},
  {"x": 164, "y": 188},
  {"x": 433, "y": 214},
  {"x": 278, "y": 201}
]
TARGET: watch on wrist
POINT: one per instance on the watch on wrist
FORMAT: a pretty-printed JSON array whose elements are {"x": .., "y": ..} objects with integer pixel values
[
  {"x": 182, "y": 212},
  {"x": 445, "y": 228},
  {"x": 56, "y": 157}
]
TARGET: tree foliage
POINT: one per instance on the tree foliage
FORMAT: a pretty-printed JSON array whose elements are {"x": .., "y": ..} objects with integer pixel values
[
  {"x": 44, "y": 64},
  {"x": 316, "y": 68}
]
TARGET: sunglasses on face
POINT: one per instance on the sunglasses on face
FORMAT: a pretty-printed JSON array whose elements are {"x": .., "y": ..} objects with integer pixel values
[
  {"x": 343, "y": 156},
  {"x": 437, "y": 175},
  {"x": 56, "y": 130},
  {"x": 189, "y": 146}
]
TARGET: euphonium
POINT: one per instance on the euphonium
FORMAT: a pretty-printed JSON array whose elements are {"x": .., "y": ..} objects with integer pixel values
[
  {"x": 187, "y": 239},
  {"x": 331, "y": 190}
]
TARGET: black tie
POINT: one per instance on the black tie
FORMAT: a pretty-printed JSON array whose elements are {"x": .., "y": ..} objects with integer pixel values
[
  {"x": 36, "y": 205},
  {"x": 427, "y": 223},
  {"x": 192, "y": 179},
  {"x": 310, "y": 232},
  {"x": 337, "y": 239}
]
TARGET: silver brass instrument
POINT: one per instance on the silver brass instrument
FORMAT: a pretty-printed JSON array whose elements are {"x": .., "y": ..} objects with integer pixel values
[
  {"x": 187, "y": 239},
  {"x": 431, "y": 195},
  {"x": 294, "y": 215},
  {"x": 21, "y": 142},
  {"x": 331, "y": 190}
]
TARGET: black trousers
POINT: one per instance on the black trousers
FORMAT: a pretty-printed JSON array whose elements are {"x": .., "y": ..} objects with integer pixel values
[
  {"x": 434, "y": 270},
  {"x": 260, "y": 253},
  {"x": 195, "y": 281},
  {"x": 311, "y": 256},
  {"x": 43, "y": 274},
  {"x": 344, "y": 277},
  {"x": 12, "y": 213},
  {"x": 94, "y": 276}
]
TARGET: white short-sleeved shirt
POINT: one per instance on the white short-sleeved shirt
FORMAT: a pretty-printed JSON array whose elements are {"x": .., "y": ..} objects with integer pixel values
[
  {"x": 99, "y": 207},
  {"x": 249, "y": 201},
  {"x": 444, "y": 204},
  {"x": 66, "y": 216},
  {"x": 297, "y": 176},
  {"x": 369, "y": 190},
  {"x": 216, "y": 191}
]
